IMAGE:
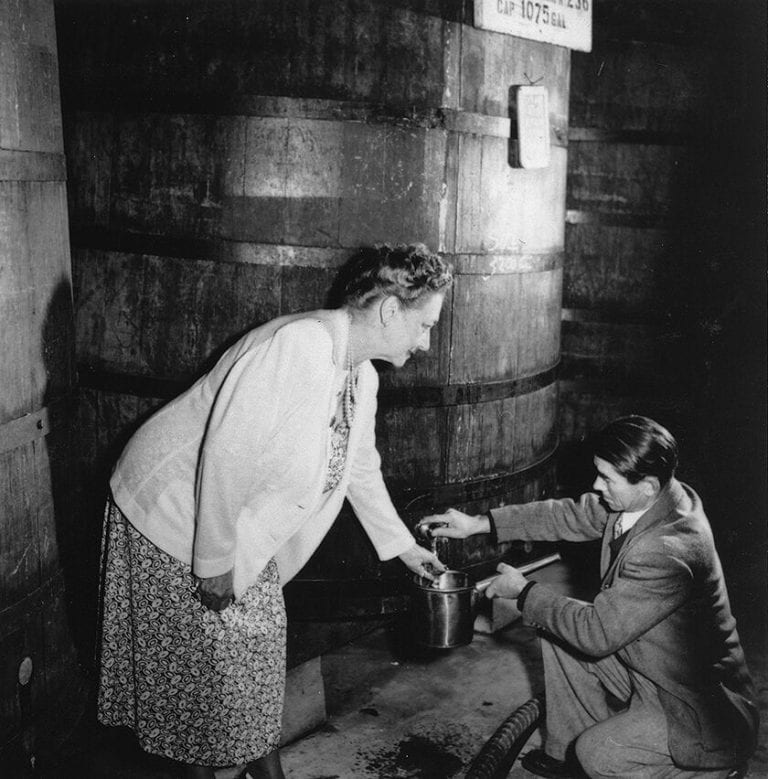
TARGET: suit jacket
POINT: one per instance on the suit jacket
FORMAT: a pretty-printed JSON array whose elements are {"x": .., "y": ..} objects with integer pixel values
[{"x": 662, "y": 608}]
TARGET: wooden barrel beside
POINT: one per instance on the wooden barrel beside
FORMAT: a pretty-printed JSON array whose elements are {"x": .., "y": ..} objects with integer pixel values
[
  {"x": 644, "y": 274},
  {"x": 224, "y": 161},
  {"x": 38, "y": 664}
]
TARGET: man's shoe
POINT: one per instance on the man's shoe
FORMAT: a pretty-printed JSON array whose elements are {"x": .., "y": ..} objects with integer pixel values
[{"x": 538, "y": 762}]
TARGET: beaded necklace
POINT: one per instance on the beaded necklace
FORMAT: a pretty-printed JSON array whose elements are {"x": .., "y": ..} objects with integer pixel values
[
  {"x": 349, "y": 384},
  {"x": 349, "y": 387}
]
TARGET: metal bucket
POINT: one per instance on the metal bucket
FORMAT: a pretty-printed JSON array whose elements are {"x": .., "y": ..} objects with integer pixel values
[{"x": 444, "y": 611}]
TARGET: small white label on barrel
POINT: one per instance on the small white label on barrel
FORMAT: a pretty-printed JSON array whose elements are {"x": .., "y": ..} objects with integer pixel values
[
  {"x": 533, "y": 126},
  {"x": 25, "y": 671}
]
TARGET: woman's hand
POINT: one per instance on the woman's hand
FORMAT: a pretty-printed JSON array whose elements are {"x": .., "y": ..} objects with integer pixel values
[
  {"x": 454, "y": 524},
  {"x": 217, "y": 592},
  {"x": 422, "y": 562},
  {"x": 508, "y": 585}
]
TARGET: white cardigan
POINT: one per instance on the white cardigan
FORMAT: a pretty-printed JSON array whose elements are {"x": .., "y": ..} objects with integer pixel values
[{"x": 231, "y": 473}]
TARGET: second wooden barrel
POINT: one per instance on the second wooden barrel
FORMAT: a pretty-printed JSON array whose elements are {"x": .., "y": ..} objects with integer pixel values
[
  {"x": 40, "y": 682},
  {"x": 225, "y": 159}
]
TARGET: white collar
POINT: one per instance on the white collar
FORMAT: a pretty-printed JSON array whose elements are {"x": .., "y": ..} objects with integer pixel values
[{"x": 629, "y": 518}]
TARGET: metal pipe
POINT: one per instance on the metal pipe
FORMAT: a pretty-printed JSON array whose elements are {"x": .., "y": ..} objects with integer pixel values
[{"x": 524, "y": 569}]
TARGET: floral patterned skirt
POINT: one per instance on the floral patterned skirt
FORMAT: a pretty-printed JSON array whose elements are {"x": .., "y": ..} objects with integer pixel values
[{"x": 195, "y": 685}]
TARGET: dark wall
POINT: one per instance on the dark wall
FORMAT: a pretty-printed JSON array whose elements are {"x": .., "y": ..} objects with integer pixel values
[{"x": 664, "y": 288}]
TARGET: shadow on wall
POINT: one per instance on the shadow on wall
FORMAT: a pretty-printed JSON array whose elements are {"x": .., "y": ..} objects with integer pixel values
[
  {"x": 73, "y": 536},
  {"x": 41, "y": 632}
]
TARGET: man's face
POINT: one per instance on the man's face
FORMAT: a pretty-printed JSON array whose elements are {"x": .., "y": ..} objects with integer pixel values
[{"x": 617, "y": 493}]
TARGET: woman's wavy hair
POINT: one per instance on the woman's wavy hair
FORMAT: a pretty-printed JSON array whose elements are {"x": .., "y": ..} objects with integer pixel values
[
  {"x": 406, "y": 271},
  {"x": 637, "y": 447}
]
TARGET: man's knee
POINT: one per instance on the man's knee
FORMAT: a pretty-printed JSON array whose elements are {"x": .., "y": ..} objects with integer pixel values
[{"x": 598, "y": 754}]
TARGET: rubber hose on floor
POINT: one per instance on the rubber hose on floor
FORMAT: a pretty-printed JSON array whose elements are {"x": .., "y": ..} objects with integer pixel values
[{"x": 495, "y": 759}]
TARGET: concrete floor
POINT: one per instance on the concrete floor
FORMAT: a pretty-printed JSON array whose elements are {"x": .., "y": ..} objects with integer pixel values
[
  {"x": 398, "y": 713},
  {"x": 424, "y": 717},
  {"x": 427, "y": 717}
]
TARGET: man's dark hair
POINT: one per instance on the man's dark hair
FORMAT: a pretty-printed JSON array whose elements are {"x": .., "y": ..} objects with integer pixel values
[{"x": 637, "y": 447}]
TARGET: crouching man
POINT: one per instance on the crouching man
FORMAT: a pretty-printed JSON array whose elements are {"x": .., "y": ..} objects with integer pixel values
[{"x": 649, "y": 680}]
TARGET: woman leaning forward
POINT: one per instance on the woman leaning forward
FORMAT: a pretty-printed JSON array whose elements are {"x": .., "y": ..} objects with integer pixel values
[{"x": 222, "y": 496}]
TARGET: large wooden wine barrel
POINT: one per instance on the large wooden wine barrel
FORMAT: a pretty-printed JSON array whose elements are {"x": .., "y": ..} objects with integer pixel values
[
  {"x": 38, "y": 664},
  {"x": 647, "y": 269},
  {"x": 226, "y": 158}
]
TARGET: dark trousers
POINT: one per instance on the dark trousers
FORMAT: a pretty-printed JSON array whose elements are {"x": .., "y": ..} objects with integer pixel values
[{"x": 611, "y": 714}]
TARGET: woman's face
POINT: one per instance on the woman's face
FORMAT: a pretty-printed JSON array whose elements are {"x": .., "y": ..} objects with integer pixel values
[{"x": 407, "y": 330}]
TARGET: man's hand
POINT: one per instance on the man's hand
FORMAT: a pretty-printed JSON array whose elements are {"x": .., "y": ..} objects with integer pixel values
[
  {"x": 454, "y": 524},
  {"x": 508, "y": 585},
  {"x": 422, "y": 562},
  {"x": 217, "y": 592}
]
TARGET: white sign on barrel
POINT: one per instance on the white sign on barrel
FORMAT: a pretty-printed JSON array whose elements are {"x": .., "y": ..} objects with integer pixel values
[{"x": 562, "y": 22}]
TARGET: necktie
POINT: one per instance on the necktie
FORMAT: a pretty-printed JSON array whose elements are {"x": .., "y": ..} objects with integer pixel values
[{"x": 618, "y": 528}]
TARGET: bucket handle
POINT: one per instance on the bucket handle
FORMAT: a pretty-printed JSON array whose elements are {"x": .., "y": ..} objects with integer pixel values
[{"x": 525, "y": 569}]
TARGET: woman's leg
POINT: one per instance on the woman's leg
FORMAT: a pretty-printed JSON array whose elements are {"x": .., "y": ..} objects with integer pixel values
[{"x": 267, "y": 767}]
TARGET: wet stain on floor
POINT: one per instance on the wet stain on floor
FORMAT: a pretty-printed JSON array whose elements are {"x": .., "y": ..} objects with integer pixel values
[
  {"x": 431, "y": 760},
  {"x": 415, "y": 757}
]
